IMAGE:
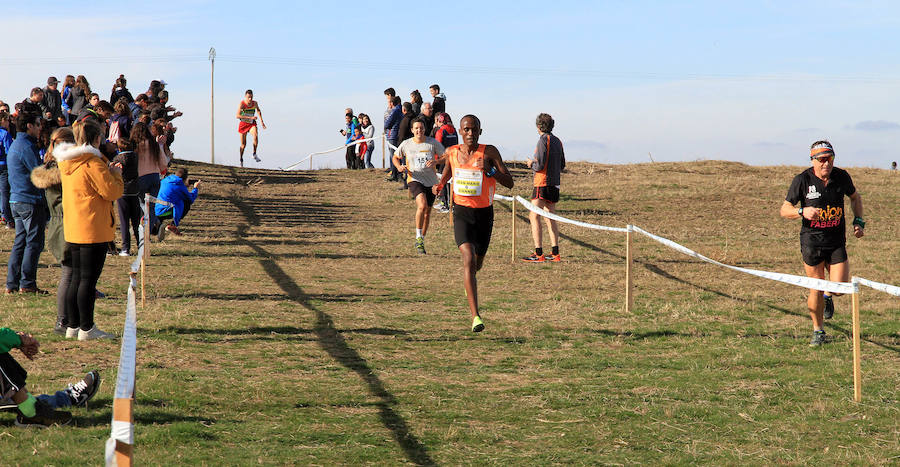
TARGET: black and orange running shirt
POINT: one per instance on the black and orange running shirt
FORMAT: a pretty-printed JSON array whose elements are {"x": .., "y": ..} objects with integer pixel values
[
  {"x": 471, "y": 188},
  {"x": 829, "y": 229}
]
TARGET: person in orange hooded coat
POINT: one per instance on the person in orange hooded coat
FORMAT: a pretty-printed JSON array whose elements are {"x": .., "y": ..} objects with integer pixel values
[{"x": 90, "y": 185}]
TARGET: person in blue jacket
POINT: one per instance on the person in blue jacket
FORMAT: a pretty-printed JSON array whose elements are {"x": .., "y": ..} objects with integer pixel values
[
  {"x": 173, "y": 190},
  {"x": 391, "y": 132},
  {"x": 29, "y": 207},
  {"x": 5, "y": 142}
]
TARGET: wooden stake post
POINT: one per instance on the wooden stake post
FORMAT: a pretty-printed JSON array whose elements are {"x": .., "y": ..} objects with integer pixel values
[
  {"x": 383, "y": 139},
  {"x": 857, "y": 370},
  {"x": 629, "y": 283},
  {"x": 512, "y": 255},
  {"x": 146, "y": 250}
]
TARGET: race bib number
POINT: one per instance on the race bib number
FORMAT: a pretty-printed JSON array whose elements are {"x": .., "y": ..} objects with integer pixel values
[
  {"x": 418, "y": 161},
  {"x": 467, "y": 182}
]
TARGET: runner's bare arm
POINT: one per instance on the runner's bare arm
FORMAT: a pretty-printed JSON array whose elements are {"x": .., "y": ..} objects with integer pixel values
[
  {"x": 445, "y": 176},
  {"x": 788, "y": 211},
  {"x": 238, "y": 115},
  {"x": 502, "y": 176},
  {"x": 395, "y": 159},
  {"x": 856, "y": 205},
  {"x": 259, "y": 114}
]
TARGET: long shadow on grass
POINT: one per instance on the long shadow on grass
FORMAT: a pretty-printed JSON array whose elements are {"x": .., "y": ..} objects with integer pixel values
[{"x": 332, "y": 341}]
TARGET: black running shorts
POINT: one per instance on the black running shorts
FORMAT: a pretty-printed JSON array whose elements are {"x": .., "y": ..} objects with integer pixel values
[
  {"x": 549, "y": 194},
  {"x": 814, "y": 256},
  {"x": 12, "y": 376},
  {"x": 415, "y": 188},
  {"x": 473, "y": 225}
]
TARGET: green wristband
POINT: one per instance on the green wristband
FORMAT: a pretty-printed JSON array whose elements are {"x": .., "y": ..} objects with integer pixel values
[{"x": 860, "y": 222}]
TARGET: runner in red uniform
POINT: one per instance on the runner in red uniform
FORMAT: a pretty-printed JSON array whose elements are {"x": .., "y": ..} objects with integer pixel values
[
  {"x": 247, "y": 113},
  {"x": 476, "y": 169}
]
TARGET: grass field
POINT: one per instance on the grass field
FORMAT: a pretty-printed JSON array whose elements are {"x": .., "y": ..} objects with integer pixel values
[{"x": 295, "y": 324}]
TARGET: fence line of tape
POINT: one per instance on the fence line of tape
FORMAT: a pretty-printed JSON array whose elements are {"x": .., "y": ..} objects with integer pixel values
[
  {"x": 800, "y": 281},
  {"x": 886, "y": 288},
  {"x": 559, "y": 218},
  {"x": 156, "y": 200},
  {"x": 327, "y": 151},
  {"x": 121, "y": 441}
]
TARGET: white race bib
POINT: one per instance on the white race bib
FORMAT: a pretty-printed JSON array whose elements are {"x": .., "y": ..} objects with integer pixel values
[
  {"x": 467, "y": 182},
  {"x": 418, "y": 161}
]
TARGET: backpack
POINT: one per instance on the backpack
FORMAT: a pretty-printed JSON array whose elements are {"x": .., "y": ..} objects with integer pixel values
[
  {"x": 114, "y": 132},
  {"x": 448, "y": 139}
]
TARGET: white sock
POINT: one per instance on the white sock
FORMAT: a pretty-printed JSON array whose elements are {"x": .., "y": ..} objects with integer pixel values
[{"x": 419, "y": 233}]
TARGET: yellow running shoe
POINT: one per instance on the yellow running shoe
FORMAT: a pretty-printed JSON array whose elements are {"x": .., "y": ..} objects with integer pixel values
[{"x": 477, "y": 324}]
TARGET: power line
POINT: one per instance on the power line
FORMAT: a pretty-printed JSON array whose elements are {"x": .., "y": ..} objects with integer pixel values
[{"x": 467, "y": 69}]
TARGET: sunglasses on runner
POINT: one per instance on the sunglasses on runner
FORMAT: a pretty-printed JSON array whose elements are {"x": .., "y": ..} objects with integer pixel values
[{"x": 823, "y": 159}]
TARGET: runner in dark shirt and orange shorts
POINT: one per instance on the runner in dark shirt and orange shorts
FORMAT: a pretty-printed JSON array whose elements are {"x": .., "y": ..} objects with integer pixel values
[
  {"x": 820, "y": 192},
  {"x": 549, "y": 161}
]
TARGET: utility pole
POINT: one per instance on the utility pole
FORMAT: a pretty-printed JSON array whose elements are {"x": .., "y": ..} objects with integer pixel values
[{"x": 212, "y": 106}]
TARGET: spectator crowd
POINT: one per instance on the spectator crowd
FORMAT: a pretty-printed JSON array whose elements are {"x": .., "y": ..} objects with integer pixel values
[{"x": 398, "y": 119}]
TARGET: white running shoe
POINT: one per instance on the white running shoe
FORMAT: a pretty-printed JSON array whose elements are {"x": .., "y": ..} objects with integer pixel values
[
  {"x": 256, "y": 158},
  {"x": 94, "y": 333},
  {"x": 72, "y": 333}
]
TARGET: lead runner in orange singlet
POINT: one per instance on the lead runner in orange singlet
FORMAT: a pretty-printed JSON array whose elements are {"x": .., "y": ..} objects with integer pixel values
[
  {"x": 248, "y": 112},
  {"x": 476, "y": 169}
]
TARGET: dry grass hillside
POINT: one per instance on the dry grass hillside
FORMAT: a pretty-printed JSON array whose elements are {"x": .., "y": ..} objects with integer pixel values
[{"x": 294, "y": 323}]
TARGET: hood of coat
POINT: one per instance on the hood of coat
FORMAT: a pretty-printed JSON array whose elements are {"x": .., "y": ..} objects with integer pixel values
[
  {"x": 71, "y": 156},
  {"x": 46, "y": 176}
]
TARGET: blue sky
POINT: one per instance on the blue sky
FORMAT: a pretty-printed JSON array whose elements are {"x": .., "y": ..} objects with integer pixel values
[{"x": 754, "y": 82}]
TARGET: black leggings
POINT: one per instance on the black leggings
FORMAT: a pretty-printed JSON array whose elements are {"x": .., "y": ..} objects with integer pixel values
[
  {"x": 87, "y": 264},
  {"x": 130, "y": 213},
  {"x": 62, "y": 291}
]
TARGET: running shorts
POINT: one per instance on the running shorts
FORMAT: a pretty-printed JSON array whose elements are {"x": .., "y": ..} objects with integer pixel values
[
  {"x": 814, "y": 256},
  {"x": 549, "y": 194},
  {"x": 415, "y": 188},
  {"x": 244, "y": 127},
  {"x": 473, "y": 225},
  {"x": 12, "y": 376}
]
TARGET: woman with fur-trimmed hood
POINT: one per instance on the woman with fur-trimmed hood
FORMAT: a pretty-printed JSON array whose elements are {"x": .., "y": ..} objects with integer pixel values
[
  {"x": 90, "y": 185},
  {"x": 47, "y": 178}
]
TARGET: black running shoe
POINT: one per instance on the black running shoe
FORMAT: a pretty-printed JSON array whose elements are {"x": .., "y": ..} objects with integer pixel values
[
  {"x": 82, "y": 391},
  {"x": 829, "y": 307},
  {"x": 44, "y": 417},
  {"x": 818, "y": 339}
]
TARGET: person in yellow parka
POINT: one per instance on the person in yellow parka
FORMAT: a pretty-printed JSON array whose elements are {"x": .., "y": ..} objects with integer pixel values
[{"x": 90, "y": 186}]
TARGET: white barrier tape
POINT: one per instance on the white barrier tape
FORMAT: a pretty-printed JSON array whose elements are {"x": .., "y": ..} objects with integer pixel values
[
  {"x": 127, "y": 355},
  {"x": 886, "y": 288},
  {"x": 123, "y": 431},
  {"x": 136, "y": 264},
  {"x": 800, "y": 281},
  {"x": 558, "y": 218},
  {"x": 297, "y": 164},
  {"x": 504, "y": 198},
  {"x": 156, "y": 200}
]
